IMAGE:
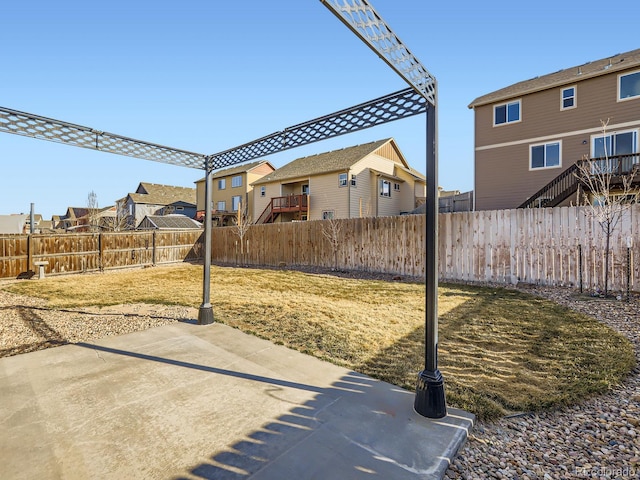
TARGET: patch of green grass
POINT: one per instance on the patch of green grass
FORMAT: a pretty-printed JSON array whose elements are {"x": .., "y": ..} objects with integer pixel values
[{"x": 500, "y": 351}]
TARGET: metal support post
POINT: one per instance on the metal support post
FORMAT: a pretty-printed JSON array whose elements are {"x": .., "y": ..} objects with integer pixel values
[
  {"x": 205, "y": 314},
  {"x": 430, "y": 398}
]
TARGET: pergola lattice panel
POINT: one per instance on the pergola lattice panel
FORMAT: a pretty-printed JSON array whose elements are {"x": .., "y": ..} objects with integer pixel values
[
  {"x": 395, "y": 106},
  {"x": 371, "y": 28},
  {"x": 27, "y": 124}
]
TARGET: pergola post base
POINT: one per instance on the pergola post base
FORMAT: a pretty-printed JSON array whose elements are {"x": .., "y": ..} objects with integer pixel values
[
  {"x": 430, "y": 399},
  {"x": 205, "y": 314}
]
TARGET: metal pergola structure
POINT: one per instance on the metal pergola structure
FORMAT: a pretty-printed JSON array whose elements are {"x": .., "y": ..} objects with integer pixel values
[
  {"x": 419, "y": 98},
  {"x": 362, "y": 19}
]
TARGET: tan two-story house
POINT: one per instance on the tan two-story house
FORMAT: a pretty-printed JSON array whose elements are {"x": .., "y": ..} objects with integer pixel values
[
  {"x": 232, "y": 188},
  {"x": 528, "y": 135},
  {"x": 373, "y": 179}
]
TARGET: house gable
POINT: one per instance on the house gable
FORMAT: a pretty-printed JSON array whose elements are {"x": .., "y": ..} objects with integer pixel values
[{"x": 344, "y": 183}]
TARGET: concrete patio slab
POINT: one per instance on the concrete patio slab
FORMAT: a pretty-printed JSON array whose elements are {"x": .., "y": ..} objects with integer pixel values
[{"x": 185, "y": 401}]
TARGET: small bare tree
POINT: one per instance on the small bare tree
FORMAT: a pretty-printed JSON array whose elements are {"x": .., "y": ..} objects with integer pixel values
[
  {"x": 331, "y": 230},
  {"x": 608, "y": 192},
  {"x": 243, "y": 223},
  {"x": 122, "y": 220},
  {"x": 93, "y": 212}
]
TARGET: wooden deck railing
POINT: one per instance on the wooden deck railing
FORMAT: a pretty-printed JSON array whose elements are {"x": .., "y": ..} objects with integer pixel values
[
  {"x": 566, "y": 184},
  {"x": 278, "y": 205}
]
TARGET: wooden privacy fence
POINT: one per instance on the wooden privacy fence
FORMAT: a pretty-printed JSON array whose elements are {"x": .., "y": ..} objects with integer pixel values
[
  {"x": 82, "y": 252},
  {"x": 550, "y": 246},
  {"x": 377, "y": 244}
]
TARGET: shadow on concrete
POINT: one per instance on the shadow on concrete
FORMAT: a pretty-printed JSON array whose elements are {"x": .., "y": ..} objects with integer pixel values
[
  {"x": 202, "y": 368},
  {"x": 358, "y": 428},
  {"x": 294, "y": 445}
]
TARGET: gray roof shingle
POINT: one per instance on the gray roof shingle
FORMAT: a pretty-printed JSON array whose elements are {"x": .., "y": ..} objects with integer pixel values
[
  {"x": 567, "y": 76},
  {"x": 322, "y": 163},
  {"x": 163, "y": 194}
]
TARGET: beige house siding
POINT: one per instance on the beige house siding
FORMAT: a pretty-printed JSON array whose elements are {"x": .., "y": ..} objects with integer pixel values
[
  {"x": 406, "y": 197},
  {"x": 326, "y": 194},
  {"x": 364, "y": 197},
  {"x": 245, "y": 191},
  {"x": 260, "y": 171},
  {"x": 272, "y": 190},
  {"x": 503, "y": 178},
  {"x": 362, "y": 201}
]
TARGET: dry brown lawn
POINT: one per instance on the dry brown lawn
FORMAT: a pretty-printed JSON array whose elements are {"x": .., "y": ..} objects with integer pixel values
[{"x": 501, "y": 351}]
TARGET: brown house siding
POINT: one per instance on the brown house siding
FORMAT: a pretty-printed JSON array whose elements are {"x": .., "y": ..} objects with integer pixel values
[{"x": 502, "y": 175}]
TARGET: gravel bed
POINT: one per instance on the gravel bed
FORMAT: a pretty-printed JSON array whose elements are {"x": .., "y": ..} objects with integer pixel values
[
  {"x": 26, "y": 325},
  {"x": 599, "y": 438}
]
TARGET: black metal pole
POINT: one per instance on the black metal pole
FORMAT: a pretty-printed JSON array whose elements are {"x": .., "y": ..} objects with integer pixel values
[
  {"x": 430, "y": 398},
  {"x": 628, "y": 271},
  {"x": 580, "y": 266},
  {"x": 205, "y": 314}
]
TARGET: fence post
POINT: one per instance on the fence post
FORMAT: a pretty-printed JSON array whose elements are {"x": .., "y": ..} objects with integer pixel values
[
  {"x": 580, "y": 265},
  {"x": 153, "y": 249},
  {"x": 101, "y": 252},
  {"x": 629, "y": 244},
  {"x": 29, "y": 251}
]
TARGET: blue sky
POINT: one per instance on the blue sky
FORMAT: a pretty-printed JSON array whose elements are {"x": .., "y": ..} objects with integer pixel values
[{"x": 204, "y": 76}]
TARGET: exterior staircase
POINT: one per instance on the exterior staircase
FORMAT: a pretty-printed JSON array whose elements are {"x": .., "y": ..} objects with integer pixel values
[
  {"x": 567, "y": 183},
  {"x": 556, "y": 191},
  {"x": 278, "y": 205}
]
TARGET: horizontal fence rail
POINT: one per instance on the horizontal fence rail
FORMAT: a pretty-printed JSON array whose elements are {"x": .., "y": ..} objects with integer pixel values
[
  {"x": 85, "y": 252},
  {"x": 549, "y": 246}
]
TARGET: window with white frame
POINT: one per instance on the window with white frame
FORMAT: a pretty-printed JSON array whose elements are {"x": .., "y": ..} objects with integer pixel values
[
  {"x": 222, "y": 184},
  {"x": 353, "y": 180},
  {"x": 396, "y": 187},
  {"x": 629, "y": 86},
  {"x": 506, "y": 113},
  {"x": 236, "y": 181},
  {"x": 545, "y": 155},
  {"x": 235, "y": 203},
  {"x": 221, "y": 206},
  {"x": 305, "y": 189},
  {"x": 342, "y": 180},
  {"x": 568, "y": 98},
  {"x": 328, "y": 215},
  {"x": 263, "y": 191},
  {"x": 385, "y": 188},
  {"x": 619, "y": 143},
  {"x": 606, "y": 146}
]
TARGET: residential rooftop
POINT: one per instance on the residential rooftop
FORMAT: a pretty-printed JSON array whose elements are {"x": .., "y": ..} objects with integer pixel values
[{"x": 567, "y": 76}]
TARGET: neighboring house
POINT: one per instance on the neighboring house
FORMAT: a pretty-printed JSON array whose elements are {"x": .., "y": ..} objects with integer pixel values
[
  {"x": 449, "y": 201},
  {"x": 529, "y": 136},
  {"x": 71, "y": 219},
  {"x": 97, "y": 219},
  {"x": 231, "y": 187},
  {"x": 85, "y": 219},
  {"x": 367, "y": 180},
  {"x": 39, "y": 224},
  {"x": 13, "y": 224},
  {"x": 168, "y": 222},
  {"x": 154, "y": 199}
]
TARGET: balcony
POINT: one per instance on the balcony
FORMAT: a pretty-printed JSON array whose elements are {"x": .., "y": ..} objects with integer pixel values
[
  {"x": 567, "y": 183},
  {"x": 281, "y": 205}
]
